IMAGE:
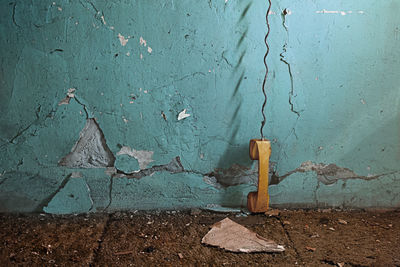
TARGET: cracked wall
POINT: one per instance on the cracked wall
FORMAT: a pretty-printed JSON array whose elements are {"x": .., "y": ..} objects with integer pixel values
[{"x": 101, "y": 110}]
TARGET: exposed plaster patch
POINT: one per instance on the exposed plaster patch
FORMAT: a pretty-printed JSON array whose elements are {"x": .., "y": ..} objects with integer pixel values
[
  {"x": 142, "y": 41},
  {"x": 76, "y": 175},
  {"x": 122, "y": 39},
  {"x": 327, "y": 174},
  {"x": 142, "y": 156},
  {"x": 70, "y": 94},
  {"x": 110, "y": 171},
  {"x": 343, "y": 13},
  {"x": 103, "y": 20},
  {"x": 91, "y": 150},
  {"x": 64, "y": 101},
  {"x": 182, "y": 115},
  {"x": 324, "y": 11},
  {"x": 211, "y": 180}
]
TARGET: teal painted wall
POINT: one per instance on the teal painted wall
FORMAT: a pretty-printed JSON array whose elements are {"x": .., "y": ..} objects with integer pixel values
[{"x": 115, "y": 75}]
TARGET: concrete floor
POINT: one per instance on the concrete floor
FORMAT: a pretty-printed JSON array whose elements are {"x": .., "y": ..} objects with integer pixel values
[{"x": 312, "y": 238}]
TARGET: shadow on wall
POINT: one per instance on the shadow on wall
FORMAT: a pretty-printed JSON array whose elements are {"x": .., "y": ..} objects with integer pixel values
[
  {"x": 240, "y": 171},
  {"x": 27, "y": 192}
]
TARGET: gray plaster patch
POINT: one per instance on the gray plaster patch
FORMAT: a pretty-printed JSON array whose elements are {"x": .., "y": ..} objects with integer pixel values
[
  {"x": 126, "y": 164},
  {"x": 327, "y": 174},
  {"x": 91, "y": 150},
  {"x": 143, "y": 157}
]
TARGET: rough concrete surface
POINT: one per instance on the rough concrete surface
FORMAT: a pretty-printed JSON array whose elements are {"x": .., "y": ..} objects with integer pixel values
[{"x": 326, "y": 238}]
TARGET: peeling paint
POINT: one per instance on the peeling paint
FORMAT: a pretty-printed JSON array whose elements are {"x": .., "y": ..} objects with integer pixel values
[
  {"x": 182, "y": 115},
  {"x": 142, "y": 41},
  {"x": 76, "y": 175},
  {"x": 344, "y": 121},
  {"x": 328, "y": 174},
  {"x": 341, "y": 12},
  {"x": 70, "y": 94},
  {"x": 103, "y": 20},
  {"x": 122, "y": 39},
  {"x": 90, "y": 151},
  {"x": 142, "y": 156}
]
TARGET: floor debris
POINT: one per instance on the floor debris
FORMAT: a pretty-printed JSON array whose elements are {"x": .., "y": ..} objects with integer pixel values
[
  {"x": 124, "y": 253},
  {"x": 271, "y": 213},
  {"x": 121, "y": 239},
  {"x": 311, "y": 249},
  {"x": 234, "y": 237}
]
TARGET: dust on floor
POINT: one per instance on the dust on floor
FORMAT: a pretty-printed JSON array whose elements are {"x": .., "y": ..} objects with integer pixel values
[{"x": 312, "y": 238}]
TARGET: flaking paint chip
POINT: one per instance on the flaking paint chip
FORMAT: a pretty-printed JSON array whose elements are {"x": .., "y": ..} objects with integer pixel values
[
  {"x": 182, "y": 115},
  {"x": 122, "y": 39},
  {"x": 142, "y": 41}
]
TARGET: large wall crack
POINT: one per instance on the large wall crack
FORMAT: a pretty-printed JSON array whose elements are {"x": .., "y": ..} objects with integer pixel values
[
  {"x": 22, "y": 131},
  {"x": 99, "y": 15},
  {"x": 284, "y": 60},
  {"x": 327, "y": 174},
  {"x": 175, "y": 166}
]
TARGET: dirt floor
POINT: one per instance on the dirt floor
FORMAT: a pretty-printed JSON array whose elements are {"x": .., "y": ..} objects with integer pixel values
[{"x": 311, "y": 238}]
